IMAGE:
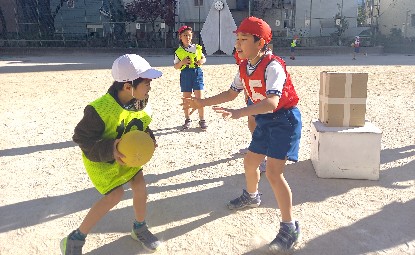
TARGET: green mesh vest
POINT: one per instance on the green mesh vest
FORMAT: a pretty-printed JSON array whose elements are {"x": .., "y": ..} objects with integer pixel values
[
  {"x": 182, "y": 54},
  {"x": 108, "y": 175}
]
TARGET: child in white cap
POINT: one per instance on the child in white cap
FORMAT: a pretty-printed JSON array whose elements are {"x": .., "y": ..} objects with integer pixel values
[{"x": 122, "y": 109}]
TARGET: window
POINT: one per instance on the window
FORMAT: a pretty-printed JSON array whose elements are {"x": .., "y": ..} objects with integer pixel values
[
  {"x": 413, "y": 20},
  {"x": 198, "y": 2}
]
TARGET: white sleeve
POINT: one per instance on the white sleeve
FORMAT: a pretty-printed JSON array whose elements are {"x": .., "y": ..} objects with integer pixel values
[
  {"x": 176, "y": 59},
  {"x": 275, "y": 78},
  {"x": 203, "y": 59},
  {"x": 237, "y": 84}
]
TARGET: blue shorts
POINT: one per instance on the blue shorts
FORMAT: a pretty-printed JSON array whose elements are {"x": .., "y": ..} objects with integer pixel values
[
  {"x": 292, "y": 49},
  {"x": 356, "y": 50},
  {"x": 277, "y": 135},
  {"x": 191, "y": 79}
]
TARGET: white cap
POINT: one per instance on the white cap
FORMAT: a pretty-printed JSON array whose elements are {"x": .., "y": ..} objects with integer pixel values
[{"x": 129, "y": 67}]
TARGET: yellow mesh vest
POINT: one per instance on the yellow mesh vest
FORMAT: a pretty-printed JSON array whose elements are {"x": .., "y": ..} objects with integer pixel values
[
  {"x": 108, "y": 175},
  {"x": 293, "y": 44},
  {"x": 182, "y": 54}
]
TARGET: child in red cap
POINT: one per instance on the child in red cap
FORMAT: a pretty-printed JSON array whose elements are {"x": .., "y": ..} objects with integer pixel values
[
  {"x": 188, "y": 58},
  {"x": 278, "y": 123}
]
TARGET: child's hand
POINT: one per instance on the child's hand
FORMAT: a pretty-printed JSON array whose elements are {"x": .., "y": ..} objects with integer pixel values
[
  {"x": 186, "y": 61},
  {"x": 117, "y": 155},
  {"x": 199, "y": 62},
  {"x": 191, "y": 103},
  {"x": 150, "y": 132},
  {"x": 227, "y": 113}
]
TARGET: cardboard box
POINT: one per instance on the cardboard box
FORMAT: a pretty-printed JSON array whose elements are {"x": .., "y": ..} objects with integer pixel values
[
  {"x": 346, "y": 152},
  {"x": 343, "y": 99}
]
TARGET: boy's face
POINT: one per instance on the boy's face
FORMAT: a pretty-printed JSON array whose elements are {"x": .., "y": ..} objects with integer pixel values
[
  {"x": 246, "y": 47},
  {"x": 186, "y": 37},
  {"x": 142, "y": 89}
]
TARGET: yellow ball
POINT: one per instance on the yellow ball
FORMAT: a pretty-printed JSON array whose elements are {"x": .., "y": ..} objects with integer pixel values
[{"x": 137, "y": 147}]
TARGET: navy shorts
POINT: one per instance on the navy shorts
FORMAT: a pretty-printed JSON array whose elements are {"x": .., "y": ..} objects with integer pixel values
[
  {"x": 356, "y": 50},
  {"x": 277, "y": 135},
  {"x": 292, "y": 49},
  {"x": 191, "y": 79}
]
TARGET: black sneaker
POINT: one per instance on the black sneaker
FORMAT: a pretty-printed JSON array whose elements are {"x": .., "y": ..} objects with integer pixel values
[
  {"x": 71, "y": 247},
  {"x": 285, "y": 239},
  {"x": 186, "y": 124},
  {"x": 244, "y": 200},
  {"x": 203, "y": 125},
  {"x": 146, "y": 238}
]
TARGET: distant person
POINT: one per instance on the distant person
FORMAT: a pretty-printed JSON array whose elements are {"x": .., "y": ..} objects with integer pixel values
[
  {"x": 356, "y": 46},
  {"x": 188, "y": 58},
  {"x": 293, "y": 44}
]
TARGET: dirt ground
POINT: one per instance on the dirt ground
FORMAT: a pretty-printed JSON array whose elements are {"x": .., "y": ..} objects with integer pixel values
[{"x": 45, "y": 191}]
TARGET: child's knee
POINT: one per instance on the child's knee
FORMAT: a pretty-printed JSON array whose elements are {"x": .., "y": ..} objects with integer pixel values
[
  {"x": 115, "y": 196},
  {"x": 138, "y": 183}
]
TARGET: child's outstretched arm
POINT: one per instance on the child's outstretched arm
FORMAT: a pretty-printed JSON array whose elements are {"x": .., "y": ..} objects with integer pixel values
[
  {"x": 265, "y": 106},
  {"x": 197, "y": 103}
]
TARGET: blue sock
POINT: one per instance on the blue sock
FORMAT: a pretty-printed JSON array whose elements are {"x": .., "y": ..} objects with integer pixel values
[
  {"x": 138, "y": 224},
  {"x": 77, "y": 235}
]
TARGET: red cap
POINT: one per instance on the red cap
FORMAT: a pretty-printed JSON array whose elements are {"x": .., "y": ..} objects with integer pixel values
[
  {"x": 182, "y": 28},
  {"x": 255, "y": 26}
]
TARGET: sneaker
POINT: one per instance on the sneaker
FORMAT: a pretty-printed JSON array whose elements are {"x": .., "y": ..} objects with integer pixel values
[
  {"x": 285, "y": 239},
  {"x": 104, "y": 12},
  {"x": 263, "y": 166},
  {"x": 244, "y": 200},
  {"x": 186, "y": 124},
  {"x": 203, "y": 125},
  {"x": 146, "y": 238},
  {"x": 71, "y": 247}
]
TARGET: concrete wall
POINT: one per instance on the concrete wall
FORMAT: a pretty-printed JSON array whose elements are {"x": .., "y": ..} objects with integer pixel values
[
  {"x": 188, "y": 12},
  {"x": 394, "y": 14},
  {"x": 8, "y": 7},
  {"x": 322, "y": 16},
  {"x": 321, "y": 23}
]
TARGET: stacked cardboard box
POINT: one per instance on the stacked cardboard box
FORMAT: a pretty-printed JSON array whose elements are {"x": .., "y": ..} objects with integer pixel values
[
  {"x": 343, "y": 99},
  {"x": 344, "y": 145}
]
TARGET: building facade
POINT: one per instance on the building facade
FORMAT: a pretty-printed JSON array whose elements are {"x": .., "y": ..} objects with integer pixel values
[{"x": 398, "y": 16}]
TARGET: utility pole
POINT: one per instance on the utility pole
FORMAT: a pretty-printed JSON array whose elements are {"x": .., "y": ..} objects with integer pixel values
[
  {"x": 199, "y": 20},
  {"x": 249, "y": 8},
  {"x": 406, "y": 23},
  {"x": 311, "y": 6}
]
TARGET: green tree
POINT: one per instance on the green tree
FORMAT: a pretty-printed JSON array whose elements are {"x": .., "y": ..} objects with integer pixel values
[
  {"x": 361, "y": 16},
  {"x": 153, "y": 10},
  {"x": 341, "y": 24}
]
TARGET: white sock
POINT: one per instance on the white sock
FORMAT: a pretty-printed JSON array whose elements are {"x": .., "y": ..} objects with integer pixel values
[{"x": 253, "y": 195}]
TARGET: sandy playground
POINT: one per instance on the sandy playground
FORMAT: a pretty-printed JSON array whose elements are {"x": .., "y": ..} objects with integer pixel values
[{"x": 45, "y": 191}]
